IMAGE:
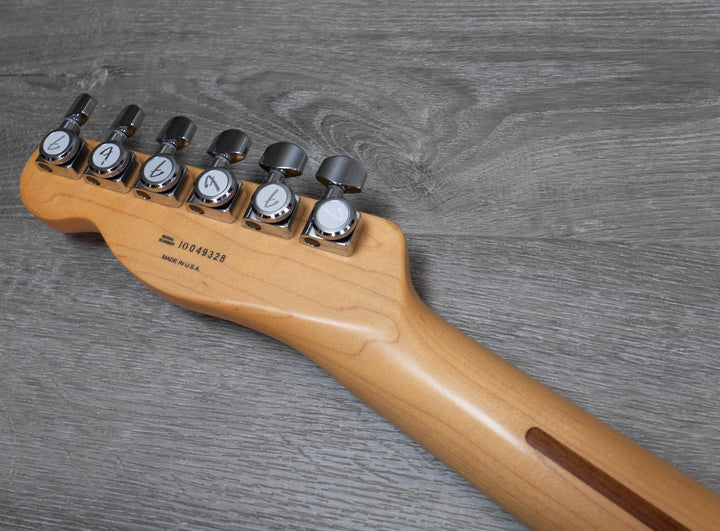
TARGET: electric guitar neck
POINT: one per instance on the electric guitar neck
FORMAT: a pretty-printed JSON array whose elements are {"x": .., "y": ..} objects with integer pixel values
[{"x": 334, "y": 284}]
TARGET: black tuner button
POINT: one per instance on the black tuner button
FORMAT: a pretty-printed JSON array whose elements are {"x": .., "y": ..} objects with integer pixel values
[
  {"x": 62, "y": 150},
  {"x": 215, "y": 191},
  {"x": 161, "y": 176},
  {"x": 333, "y": 222},
  {"x": 111, "y": 163},
  {"x": 273, "y": 206}
]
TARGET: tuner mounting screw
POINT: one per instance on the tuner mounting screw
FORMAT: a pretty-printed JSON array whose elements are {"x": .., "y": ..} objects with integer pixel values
[
  {"x": 161, "y": 176},
  {"x": 215, "y": 191},
  {"x": 111, "y": 163},
  {"x": 333, "y": 223},
  {"x": 62, "y": 150},
  {"x": 273, "y": 206}
]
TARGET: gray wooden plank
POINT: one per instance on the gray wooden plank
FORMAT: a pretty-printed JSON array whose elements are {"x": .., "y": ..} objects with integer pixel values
[{"x": 553, "y": 165}]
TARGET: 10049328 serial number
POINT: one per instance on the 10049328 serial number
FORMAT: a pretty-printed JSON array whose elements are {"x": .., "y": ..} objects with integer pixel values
[{"x": 201, "y": 251}]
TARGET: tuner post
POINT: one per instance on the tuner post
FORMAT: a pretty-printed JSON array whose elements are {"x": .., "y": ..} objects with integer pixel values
[
  {"x": 112, "y": 164},
  {"x": 162, "y": 178},
  {"x": 334, "y": 224},
  {"x": 216, "y": 193},
  {"x": 274, "y": 206},
  {"x": 62, "y": 151}
]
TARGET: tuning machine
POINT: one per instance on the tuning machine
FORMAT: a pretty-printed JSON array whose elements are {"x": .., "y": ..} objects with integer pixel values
[
  {"x": 333, "y": 224},
  {"x": 111, "y": 163},
  {"x": 162, "y": 178},
  {"x": 273, "y": 207},
  {"x": 216, "y": 193},
  {"x": 62, "y": 151}
]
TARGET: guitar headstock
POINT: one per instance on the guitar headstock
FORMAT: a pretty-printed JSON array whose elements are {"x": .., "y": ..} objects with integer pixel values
[{"x": 283, "y": 285}]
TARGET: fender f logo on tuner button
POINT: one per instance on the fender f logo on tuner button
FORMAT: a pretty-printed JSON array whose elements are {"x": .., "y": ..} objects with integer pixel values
[
  {"x": 273, "y": 207},
  {"x": 62, "y": 151},
  {"x": 111, "y": 163},
  {"x": 216, "y": 192},
  {"x": 162, "y": 179}
]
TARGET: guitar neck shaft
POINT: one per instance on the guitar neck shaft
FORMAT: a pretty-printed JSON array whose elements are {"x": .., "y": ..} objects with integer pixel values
[{"x": 545, "y": 460}]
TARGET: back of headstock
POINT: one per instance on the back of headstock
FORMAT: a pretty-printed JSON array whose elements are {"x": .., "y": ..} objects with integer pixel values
[
  {"x": 227, "y": 259},
  {"x": 334, "y": 285}
]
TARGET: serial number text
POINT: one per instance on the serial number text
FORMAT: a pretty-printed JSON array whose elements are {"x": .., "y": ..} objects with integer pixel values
[{"x": 201, "y": 251}]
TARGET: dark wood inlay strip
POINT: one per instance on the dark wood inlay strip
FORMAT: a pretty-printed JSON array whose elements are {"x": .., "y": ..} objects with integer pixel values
[{"x": 601, "y": 481}]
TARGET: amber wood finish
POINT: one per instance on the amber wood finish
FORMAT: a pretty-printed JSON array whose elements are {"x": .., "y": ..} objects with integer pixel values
[
  {"x": 360, "y": 318},
  {"x": 599, "y": 480}
]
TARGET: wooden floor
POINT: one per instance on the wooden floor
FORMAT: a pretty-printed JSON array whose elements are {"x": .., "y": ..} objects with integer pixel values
[{"x": 556, "y": 170}]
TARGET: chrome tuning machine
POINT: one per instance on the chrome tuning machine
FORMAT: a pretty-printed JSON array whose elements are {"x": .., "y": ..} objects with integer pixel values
[
  {"x": 216, "y": 193},
  {"x": 273, "y": 207},
  {"x": 62, "y": 151},
  {"x": 111, "y": 163},
  {"x": 162, "y": 178},
  {"x": 334, "y": 222}
]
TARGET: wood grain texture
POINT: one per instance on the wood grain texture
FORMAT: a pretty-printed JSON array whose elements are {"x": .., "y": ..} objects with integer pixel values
[
  {"x": 554, "y": 169},
  {"x": 359, "y": 318},
  {"x": 632, "y": 502}
]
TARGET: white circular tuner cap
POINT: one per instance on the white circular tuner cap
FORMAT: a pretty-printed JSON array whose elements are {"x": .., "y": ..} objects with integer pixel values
[
  {"x": 273, "y": 202},
  {"x": 159, "y": 173},
  {"x": 109, "y": 159},
  {"x": 334, "y": 219},
  {"x": 215, "y": 187},
  {"x": 59, "y": 146}
]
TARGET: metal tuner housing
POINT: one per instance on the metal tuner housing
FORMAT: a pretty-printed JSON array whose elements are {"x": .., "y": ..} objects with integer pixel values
[
  {"x": 109, "y": 159},
  {"x": 62, "y": 151},
  {"x": 334, "y": 219},
  {"x": 216, "y": 193},
  {"x": 215, "y": 187},
  {"x": 159, "y": 173},
  {"x": 334, "y": 223},
  {"x": 112, "y": 164},
  {"x": 274, "y": 206},
  {"x": 162, "y": 177}
]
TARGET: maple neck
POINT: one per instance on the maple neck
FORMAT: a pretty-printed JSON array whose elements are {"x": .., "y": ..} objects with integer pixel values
[{"x": 545, "y": 460}]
